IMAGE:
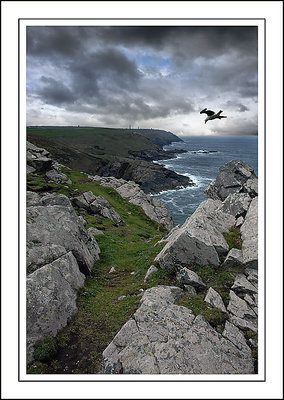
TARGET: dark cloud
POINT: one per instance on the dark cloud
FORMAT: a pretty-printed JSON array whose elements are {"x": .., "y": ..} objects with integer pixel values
[
  {"x": 143, "y": 73},
  {"x": 55, "y": 92}
]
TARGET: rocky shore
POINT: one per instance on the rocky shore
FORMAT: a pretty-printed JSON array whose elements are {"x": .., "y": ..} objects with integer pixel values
[{"x": 203, "y": 316}]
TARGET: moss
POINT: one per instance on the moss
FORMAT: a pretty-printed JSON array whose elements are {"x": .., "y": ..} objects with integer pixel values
[
  {"x": 46, "y": 349},
  {"x": 233, "y": 238}
]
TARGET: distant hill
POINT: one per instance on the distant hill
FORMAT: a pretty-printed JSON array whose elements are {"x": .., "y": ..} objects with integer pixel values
[
  {"x": 157, "y": 136},
  {"x": 122, "y": 153}
]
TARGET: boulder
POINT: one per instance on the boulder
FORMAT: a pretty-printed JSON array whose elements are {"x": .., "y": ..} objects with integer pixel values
[
  {"x": 153, "y": 208},
  {"x": 97, "y": 206},
  {"x": 231, "y": 179},
  {"x": 239, "y": 307},
  {"x": 234, "y": 258},
  {"x": 164, "y": 338},
  {"x": 55, "y": 175},
  {"x": 51, "y": 298},
  {"x": 236, "y": 204},
  {"x": 188, "y": 277},
  {"x": 242, "y": 285},
  {"x": 53, "y": 228},
  {"x": 236, "y": 336},
  {"x": 100, "y": 206},
  {"x": 200, "y": 240},
  {"x": 249, "y": 232},
  {"x": 213, "y": 298}
]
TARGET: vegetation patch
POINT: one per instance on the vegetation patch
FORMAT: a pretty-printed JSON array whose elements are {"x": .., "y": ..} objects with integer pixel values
[
  {"x": 46, "y": 349},
  {"x": 221, "y": 279},
  {"x": 197, "y": 305},
  {"x": 233, "y": 238}
]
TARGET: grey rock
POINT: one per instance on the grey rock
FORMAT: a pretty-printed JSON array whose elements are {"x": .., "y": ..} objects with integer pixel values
[
  {"x": 84, "y": 222},
  {"x": 251, "y": 186},
  {"x": 51, "y": 299},
  {"x": 97, "y": 206},
  {"x": 243, "y": 323},
  {"x": 188, "y": 277},
  {"x": 190, "y": 290},
  {"x": 239, "y": 221},
  {"x": 249, "y": 232},
  {"x": 252, "y": 276},
  {"x": 249, "y": 300},
  {"x": 36, "y": 150},
  {"x": 57, "y": 176},
  {"x": 242, "y": 285},
  {"x": 200, "y": 240},
  {"x": 232, "y": 333},
  {"x": 153, "y": 208},
  {"x": 150, "y": 271},
  {"x": 32, "y": 199},
  {"x": 100, "y": 206},
  {"x": 239, "y": 307},
  {"x": 236, "y": 204},
  {"x": 212, "y": 297},
  {"x": 57, "y": 224},
  {"x": 111, "y": 270},
  {"x": 30, "y": 170},
  {"x": 234, "y": 258},
  {"x": 231, "y": 179},
  {"x": 41, "y": 164},
  {"x": 95, "y": 231},
  {"x": 164, "y": 338}
]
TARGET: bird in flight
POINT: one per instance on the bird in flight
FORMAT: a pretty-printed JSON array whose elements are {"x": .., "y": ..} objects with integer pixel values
[{"x": 212, "y": 114}]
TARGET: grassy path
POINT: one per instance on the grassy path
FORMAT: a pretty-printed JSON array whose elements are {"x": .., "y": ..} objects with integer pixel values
[{"x": 130, "y": 249}]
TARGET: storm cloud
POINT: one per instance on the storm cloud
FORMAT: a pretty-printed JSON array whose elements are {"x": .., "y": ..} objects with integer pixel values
[{"x": 146, "y": 76}]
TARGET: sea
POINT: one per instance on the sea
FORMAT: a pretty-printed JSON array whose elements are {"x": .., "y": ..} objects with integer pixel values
[{"x": 201, "y": 162}]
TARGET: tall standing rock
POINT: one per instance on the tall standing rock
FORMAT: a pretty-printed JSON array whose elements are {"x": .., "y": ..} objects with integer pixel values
[{"x": 232, "y": 178}]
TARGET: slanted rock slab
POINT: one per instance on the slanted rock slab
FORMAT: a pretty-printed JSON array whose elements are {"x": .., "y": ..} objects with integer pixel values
[
  {"x": 164, "y": 338},
  {"x": 212, "y": 297}
]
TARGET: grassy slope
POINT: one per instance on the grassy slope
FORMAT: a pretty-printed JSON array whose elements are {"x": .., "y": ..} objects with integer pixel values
[
  {"x": 100, "y": 142},
  {"x": 128, "y": 248}
]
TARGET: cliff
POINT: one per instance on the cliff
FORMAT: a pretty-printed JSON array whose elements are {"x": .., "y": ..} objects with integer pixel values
[{"x": 112, "y": 152}]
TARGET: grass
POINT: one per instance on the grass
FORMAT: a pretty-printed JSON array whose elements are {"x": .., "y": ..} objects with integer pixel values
[
  {"x": 130, "y": 250},
  {"x": 112, "y": 141}
]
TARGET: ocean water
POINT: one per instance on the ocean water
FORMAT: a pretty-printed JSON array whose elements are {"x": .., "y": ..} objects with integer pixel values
[{"x": 203, "y": 167}]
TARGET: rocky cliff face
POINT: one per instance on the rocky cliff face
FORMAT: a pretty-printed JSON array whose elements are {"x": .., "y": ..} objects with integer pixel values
[{"x": 164, "y": 337}]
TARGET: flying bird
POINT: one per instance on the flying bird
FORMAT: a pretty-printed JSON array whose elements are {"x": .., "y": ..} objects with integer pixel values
[{"x": 212, "y": 114}]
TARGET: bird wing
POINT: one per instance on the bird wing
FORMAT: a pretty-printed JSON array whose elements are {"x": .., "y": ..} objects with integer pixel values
[{"x": 209, "y": 112}]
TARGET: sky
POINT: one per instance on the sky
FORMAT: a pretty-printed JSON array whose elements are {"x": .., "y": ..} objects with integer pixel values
[{"x": 157, "y": 77}]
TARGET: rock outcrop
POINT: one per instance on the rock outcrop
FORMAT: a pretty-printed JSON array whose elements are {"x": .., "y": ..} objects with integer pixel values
[
  {"x": 164, "y": 338},
  {"x": 60, "y": 252},
  {"x": 234, "y": 177},
  {"x": 200, "y": 240},
  {"x": 97, "y": 205},
  {"x": 38, "y": 160},
  {"x": 153, "y": 208}
]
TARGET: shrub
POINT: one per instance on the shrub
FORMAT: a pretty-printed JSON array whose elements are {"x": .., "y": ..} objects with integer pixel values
[
  {"x": 45, "y": 349},
  {"x": 233, "y": 238}
]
